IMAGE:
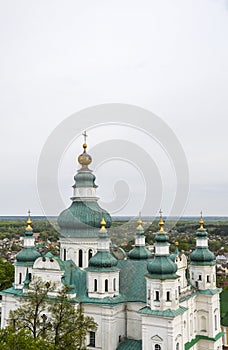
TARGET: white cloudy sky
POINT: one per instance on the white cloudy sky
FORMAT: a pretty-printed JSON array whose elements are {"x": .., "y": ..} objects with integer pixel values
[{"x": 170, "y": 57}]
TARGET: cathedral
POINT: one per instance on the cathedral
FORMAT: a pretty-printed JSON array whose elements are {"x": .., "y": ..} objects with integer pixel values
[{"x": 140, "y": 302}]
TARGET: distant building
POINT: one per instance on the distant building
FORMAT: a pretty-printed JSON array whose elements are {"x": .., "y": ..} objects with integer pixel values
[{"x": 139, "y": 302}]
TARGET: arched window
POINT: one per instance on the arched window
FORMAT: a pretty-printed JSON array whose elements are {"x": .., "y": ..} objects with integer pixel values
[
  {"x": 157, "y": 347},
  {"x": 114, "y": 284},
  {"x": 203, "y": 326},
  {"x": 64, "y": 254},
  {"x": 95, "y": 285},
  {"x": 80, "y": 258},
  {"x": 216, "y": 325},
  {"x": 178, "y": 346},
  {"x": 106, "y": 285},
  {"x": 148, "y": 296},
  {"x": 20, "y": 278},
  {"x": 90, "y": 254},
  {"x": 30, "y": 276}
]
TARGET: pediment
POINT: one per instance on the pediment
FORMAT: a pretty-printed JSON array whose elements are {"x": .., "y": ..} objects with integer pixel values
[{"x": 157, "y": 338}]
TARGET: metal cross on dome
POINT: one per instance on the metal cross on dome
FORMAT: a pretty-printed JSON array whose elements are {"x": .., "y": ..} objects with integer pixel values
[{"x": 85, "y": 136}]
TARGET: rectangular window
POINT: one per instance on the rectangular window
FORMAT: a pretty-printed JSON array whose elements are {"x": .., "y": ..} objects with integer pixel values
[
  {"x": 92, "y": 339},
  {"x": 192, "y": 275},
  {"x": 157, "y": 298},
  {"x": 208, "y": 279},
  {"x": 148, "y": 296},
  {"x": 168, "y": 296}
]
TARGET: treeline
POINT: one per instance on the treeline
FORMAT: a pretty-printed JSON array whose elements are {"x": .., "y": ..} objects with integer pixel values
[
  {"x": 123, "y": 233},
  {"x": 16, "y": 229}
]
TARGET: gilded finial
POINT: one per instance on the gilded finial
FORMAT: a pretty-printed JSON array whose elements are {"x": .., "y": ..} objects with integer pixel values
[
  {"x": 161, "y": 222},
  {"x": 201, "y": 222},
  {"x": 176, "y": 244},
  {"x": 103, "y": 224},
  {"x": 139, "y": 222},
  {"x": 29, "y": 221},
  {"x": 85, "y": 144}
]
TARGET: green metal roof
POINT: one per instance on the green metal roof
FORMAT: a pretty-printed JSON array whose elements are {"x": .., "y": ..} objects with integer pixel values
[
  {"x": 166, "y": 313},
  {"x": 209, "y": 291},
  {"x": 162, "y": 266},
  {"x": 119, "y": 299},
  {"x": 130, "y": 344},
  {"x": 132, "y": 280},
  {"x": 139, "y": 252},
  {"x": 190, "y": 344},
  {"x": 202, "y": 255},
  {"x": 174, "y": 255},
  {"x": 82, "y": 219},
  {"x": 102, "y": 259},
  {"x": 161, "y": 238},
  {"x": 27, "y": 254},
  {"x": 13, "y": 291},
  {"x": 84, "y": 178}
]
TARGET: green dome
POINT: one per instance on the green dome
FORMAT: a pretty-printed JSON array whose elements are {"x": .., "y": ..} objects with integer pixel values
[
  {"x": 139, "y": 252},
  {"x": 27, "y": 254},
  {"x": 162, "y": 267},
  {"x": 84, "y": 179},
  {"x": 82, "y": 216},
  {"x": 202, "y": 256},
  {"x": 161, "y": 238},
  {"x": 102, "y": 259}
]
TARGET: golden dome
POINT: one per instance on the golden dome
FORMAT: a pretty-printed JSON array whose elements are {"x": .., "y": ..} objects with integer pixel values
[{"x": 84, "y": 159}]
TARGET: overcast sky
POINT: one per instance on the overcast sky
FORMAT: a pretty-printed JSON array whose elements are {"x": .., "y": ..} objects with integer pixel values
[{"x": 57, "y": 57}]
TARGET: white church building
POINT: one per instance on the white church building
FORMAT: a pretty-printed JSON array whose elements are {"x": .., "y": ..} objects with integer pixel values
[{"x": 139, "y": 303}]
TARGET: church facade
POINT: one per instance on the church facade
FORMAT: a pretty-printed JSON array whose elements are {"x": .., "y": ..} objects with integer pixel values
[{"x": 140, "y": 302}]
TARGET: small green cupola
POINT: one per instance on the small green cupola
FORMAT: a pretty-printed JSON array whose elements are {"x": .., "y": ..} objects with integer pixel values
[
  {"x": 161, "y": 279},
  {"x": 103, "y": 273},
  {"x": 162, "y": 266},
  {"x": 29, "y": 253},
  {"x": 82, "y": 218},
  {"x": 139, "y": 251},
  {"x": 202, "y": 262},
  {"x": 103, "y": 259},
  {"x": 202, "y": 255},
  {"x": 176, "y": 252},
  {"x": 26, "y": 257}
]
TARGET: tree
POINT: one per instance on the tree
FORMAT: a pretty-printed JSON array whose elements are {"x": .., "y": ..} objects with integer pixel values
[
  {"x": 30, "y": 315},
  {"x": 6, "y": 274},
  {"x": 69, "y": 325},
  {"x": 57, "y": 320},
  {"x": 21, "y": 340}
]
